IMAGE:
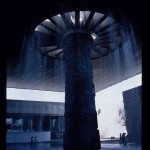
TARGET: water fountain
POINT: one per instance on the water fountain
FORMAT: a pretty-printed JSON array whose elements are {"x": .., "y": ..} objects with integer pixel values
[
  {"x": 65, "y": 46},
  {"x": 79, "y": 37}
]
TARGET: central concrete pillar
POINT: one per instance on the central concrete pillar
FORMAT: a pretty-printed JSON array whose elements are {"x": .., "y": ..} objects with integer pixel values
[{"x": 80, "y": 114}]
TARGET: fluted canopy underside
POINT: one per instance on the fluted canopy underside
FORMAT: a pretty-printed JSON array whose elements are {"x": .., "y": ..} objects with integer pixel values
[{"x": 104, "y": 30}]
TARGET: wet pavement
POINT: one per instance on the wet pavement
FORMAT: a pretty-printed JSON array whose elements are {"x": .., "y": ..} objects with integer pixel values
[{"x": 49, "y": 146}]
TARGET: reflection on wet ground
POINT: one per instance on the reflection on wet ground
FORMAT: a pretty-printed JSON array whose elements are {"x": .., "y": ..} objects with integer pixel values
[{"x": 54, "y": 146}]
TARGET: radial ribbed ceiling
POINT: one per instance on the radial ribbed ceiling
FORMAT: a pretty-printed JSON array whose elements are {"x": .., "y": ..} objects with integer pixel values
[{"x": 104, "y": 30}]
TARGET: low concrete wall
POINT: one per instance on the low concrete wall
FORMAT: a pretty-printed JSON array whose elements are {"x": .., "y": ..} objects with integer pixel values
[{"x": 23, "y": 137}]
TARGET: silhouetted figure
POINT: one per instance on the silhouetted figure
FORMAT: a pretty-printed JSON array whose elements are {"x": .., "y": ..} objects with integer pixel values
[
  {"x": 35, "y": 139},
  {"x": 124, "y": 141},
  {"x": 120, "y": 139},
  {"x": 127, "y": 138},
  {"x": 31, "y": 140},
  {"x": 35, "y": 142}
]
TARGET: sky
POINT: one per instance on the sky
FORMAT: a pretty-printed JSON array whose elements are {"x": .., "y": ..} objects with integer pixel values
[{"x": 109, "y": 101}]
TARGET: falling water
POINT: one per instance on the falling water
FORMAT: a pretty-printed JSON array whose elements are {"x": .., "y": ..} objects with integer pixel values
[
  {"x": 131, "y": 50},
  {"x": 34, "y": 69},
  {"x": 59, "y": 70},
  {"x": 42, "y": 70},
  {"x": 125, "y": 60}
]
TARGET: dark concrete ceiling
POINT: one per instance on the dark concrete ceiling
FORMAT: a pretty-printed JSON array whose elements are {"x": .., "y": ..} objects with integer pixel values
[{"x": 24, "y": 16}]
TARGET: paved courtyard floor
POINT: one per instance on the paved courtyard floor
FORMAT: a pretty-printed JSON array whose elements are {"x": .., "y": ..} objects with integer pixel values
[{"x": 48, "y": 146}]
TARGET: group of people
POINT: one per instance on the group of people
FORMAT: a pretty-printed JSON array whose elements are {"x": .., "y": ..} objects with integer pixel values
[{"x": 123, "y": 139}]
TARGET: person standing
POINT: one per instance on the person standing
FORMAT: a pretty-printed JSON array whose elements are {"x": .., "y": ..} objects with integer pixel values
[
  {"x": 120, "y": 139},
  {"x": 35, "y": 139},
  {"x": 124, "y": 141},
  {"x": 31, "y": 140}
]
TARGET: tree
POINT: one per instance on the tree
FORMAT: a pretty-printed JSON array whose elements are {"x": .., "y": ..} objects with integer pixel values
[{"x": 122, "y": 118}]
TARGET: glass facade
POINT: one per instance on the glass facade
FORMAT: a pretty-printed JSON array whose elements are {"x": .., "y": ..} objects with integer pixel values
[
  {"x": 17, "y": 124},
  {"x": 14, "y": 123},
  {"x": 36, "y": 123},
  {"x": 8, "y": 124},
  {"x": 62, "y": 126},
  {"x": 46, "y": 120},
  {"x": 27, "y": 123}
]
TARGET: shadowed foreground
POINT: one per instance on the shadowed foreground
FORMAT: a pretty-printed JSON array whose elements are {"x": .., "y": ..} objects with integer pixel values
[{"x": 48, "y": 146}]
